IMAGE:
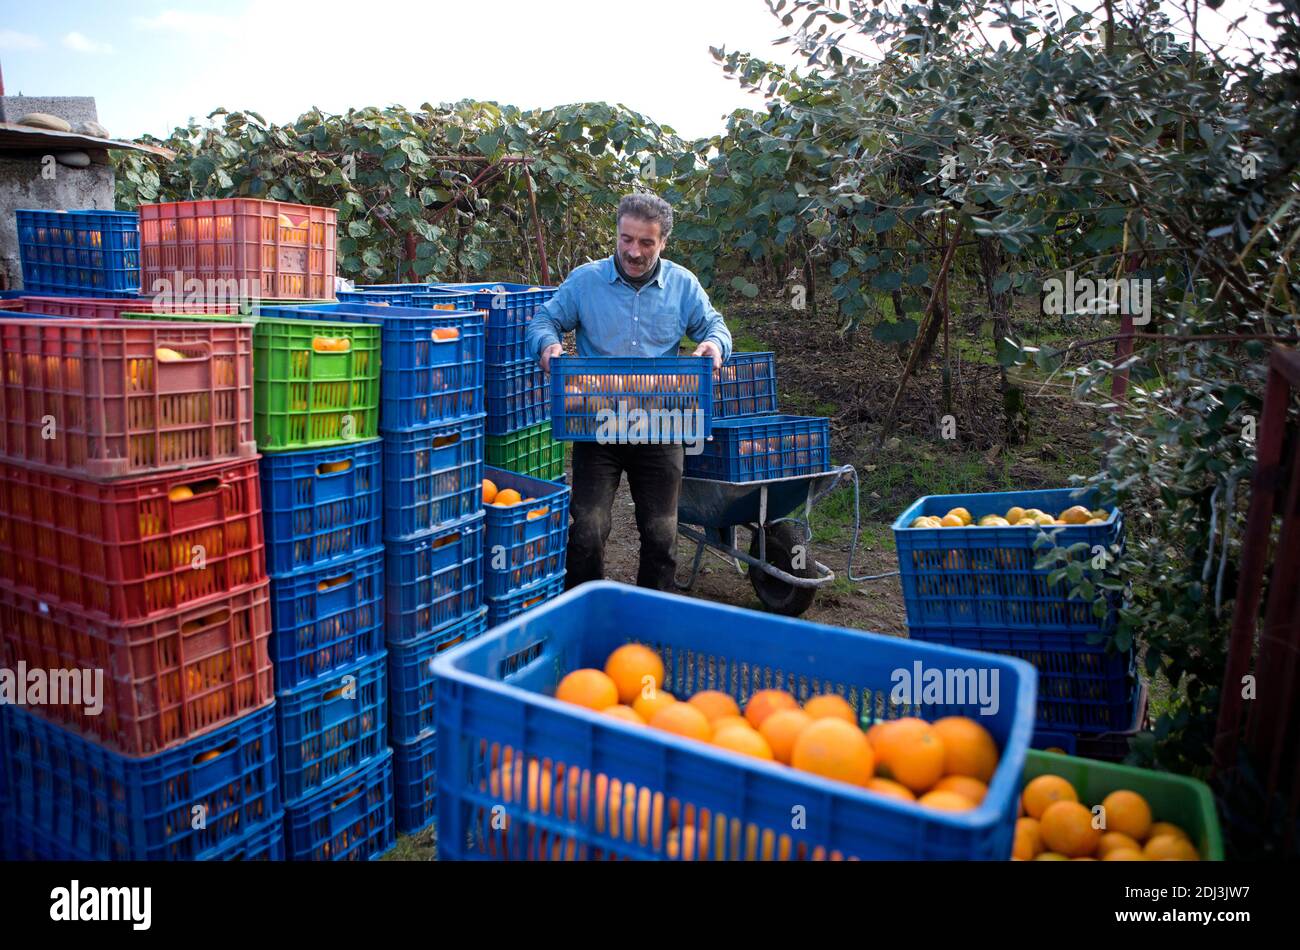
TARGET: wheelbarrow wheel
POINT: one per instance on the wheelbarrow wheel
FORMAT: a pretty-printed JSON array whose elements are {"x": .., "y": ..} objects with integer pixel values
[{"x": 776, "y": 595}]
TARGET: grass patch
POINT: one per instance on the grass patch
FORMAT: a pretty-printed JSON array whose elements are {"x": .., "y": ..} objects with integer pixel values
[{"x": 418, "y": 847}]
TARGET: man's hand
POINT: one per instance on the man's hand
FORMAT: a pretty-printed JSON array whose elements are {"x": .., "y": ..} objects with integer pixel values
[
  {"x": 549, "y": 353},
  {"x": 709, "y": 348}
]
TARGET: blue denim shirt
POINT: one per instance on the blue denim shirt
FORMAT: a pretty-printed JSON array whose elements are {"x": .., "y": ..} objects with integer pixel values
[{"x": 612, "y": 319}]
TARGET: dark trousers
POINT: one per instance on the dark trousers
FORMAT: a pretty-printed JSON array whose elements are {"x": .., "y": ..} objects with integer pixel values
[{"x": 654, "y": 474}]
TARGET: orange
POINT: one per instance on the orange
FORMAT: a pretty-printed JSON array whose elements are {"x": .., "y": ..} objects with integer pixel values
[
  {"x": 765, "y": 702},
  {"x": 682, "y": 719},
  {"x": 744, "y": 740},
  {"x": 714, "y": 704},
  {"x": 446, "y": 333},
  {"x": 647, "y": 706},
  {"x": 914, "y": 757},
  {"x": 1114, "y": 841},
  {"x": 1051, "y": 856},
  {"x": 625, "y": 713},
  {"x": 1124, "y": 854},
  {"x": 1067, "y": 829},
  {"x": 828, "y": 705},
  {"x": 590, "y": 688},
  {"x": 885, "y": 786},
  {"x": 1075, "y": 514},
  {"x": 971, "y": 788},
  {"x": 635, "y": 670},
  {"x": 1170, "y": 848},
  {"x": 834, "y": 749},
  {"x": 507, "y": 497},
  {"x": 489, "y": 491},
  {"x": 1045, "y": 790},
  {"x": 961, "y": 514},
  {"x": 781, "y": 729},
  {"x": 1165, "y": 828},
  {"x": 1029, "y": 840},
  {"x": 681, "y": 843},
  {"x": 180, "y": 493},
  {"x": 946, "y": 801},
  {"x": 1128, "y": 813},
  {"x": 723, "y": 722},
  {"x": 968, "y": 748},
  {"x": 951, "y": 521}
]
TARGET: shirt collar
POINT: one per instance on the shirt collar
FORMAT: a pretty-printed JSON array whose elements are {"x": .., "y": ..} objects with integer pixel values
[{"x": 612, "y": 272}]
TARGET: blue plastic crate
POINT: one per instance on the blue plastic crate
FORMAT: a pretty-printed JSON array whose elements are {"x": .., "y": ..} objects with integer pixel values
[
  {"x": 265, "y": 843},
  {"x": 509, "y": 308},
  {"x": 1081, "y": 687},
  {"x": 501, "y": 609},
  {"x": 436, "y": 298},
  {"x": 431, "y": 361},
  {"x": 434, "y": 579},
  {"x": 745, "y": 386},
  {"x": 524, "y": 543},
  {"x": 516, "y": 398},
  {"x": 412, "y": 688},
  {"x": 109, "y": 807},
  {"x": 604, "y": 398},
  {"x": 321, "y": 506},
  {"x": 332, "y": 726},
  {"x": 415, "y": 783},
  {"x": 352, "y": 820},
  {"x": 376, "y": 296},
  {"x": 80, "y": 253},
  {"x": 432, "y": 475},
  {"x": 327, "y": 618},
  {"x": 763, "y": 447},
  {"x": 495, "y": 694},
  {"x": 21, "y": 841},
  {"x": 1053, "y": 739},
  {"x": 985, "y": 577}
]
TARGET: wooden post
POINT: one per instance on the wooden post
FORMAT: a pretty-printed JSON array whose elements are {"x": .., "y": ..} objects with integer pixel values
[{"x": 537, "y": 226}]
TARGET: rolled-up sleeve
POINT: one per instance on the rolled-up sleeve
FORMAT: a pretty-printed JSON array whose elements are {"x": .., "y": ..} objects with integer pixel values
[
  {"x": 553, "y": 319},
  {"x": 705, "y": 324}
]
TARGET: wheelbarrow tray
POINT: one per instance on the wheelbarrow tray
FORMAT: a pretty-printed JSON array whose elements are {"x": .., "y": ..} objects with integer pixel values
[{"x": 716, "y": 504}]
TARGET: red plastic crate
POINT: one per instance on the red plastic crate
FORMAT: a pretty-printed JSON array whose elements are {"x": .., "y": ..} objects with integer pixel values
[
  {"x": 287, "y": 249},
  {"x": 93, "y": 397},
  {"x": 165, "y": 681},
  {"x": 110, "y": 308},
  {"x": 127, "y": 550}
]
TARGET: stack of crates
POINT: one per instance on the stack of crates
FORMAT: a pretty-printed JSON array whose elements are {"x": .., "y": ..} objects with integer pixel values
[
  {"x": 133, "y": 582},
  {"x": 981, "y": 588},
  {"x": 518, "y": 391}
]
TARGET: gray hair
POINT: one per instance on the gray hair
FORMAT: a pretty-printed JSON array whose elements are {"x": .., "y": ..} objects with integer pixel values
[{"x": 647, "y": 207}]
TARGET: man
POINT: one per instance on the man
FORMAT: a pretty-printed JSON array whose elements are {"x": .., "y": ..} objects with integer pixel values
[{"x": 634, "y": 303}]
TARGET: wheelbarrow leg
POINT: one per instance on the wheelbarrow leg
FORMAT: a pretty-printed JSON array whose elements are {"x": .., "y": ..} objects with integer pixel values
[{"x": 695, "y": 568}]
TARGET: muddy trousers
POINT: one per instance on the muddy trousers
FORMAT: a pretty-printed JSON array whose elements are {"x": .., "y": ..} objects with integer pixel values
[{"x": 654, "y": 475}]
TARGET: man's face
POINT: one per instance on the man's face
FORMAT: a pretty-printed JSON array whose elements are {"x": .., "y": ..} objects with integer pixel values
[{"x": 639, "y": 244}]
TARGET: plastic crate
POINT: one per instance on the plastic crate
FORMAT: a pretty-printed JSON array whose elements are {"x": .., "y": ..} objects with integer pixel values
[
  {"x": 21, "y": 841},
  {"x": 501, "y": 609},
  {"x": 415, "y": 783},
  {"x": 1081, "y": 687},
  {"x": 1186, "y": 802},
  {"x": 435, "y": 298},
  {"x": 366, "y": 295},
  {"x": 11, "y": 304},
  {"x": 432, "y": 476},
  {"x": 113, "y": 407},
  {"x": 532, "y": 451},
  {"x": 327, "y": 618},
  {"x": 763, "y": 447},
  {"x": 432, "y": 360},
  {"x": 94, "y": 253},
  {"x": 352, "y": 820},
  {"x": 128, "y": 550},
  {"x": 1114, "y": 746},
  {"x": 494, "y": 694},
  {"x": 92, "y": 308},
  {"x": 985, "y": 577},
  {"x": 112, "y": 808},
  {"x": 433, "y": 580},
  {"x": 516, "y": 399},
  {"x": 322, "y": 506},
  {"x": 600, "y": 398},
  {"x": 525, "y": 543},
  {"x": 280, "y": 250},
  {"x": 745, "y": 386},
  {"x": 265, "y": 843},
  {"x": 331, "y": 726},
  {"x": 509, "y": 308},
  {"x": 166, "y": 680},
  {"x": 412, "y": 687}
]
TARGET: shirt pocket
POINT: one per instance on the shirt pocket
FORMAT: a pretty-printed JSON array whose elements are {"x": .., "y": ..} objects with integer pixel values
[{"x": 665, "y": 328}]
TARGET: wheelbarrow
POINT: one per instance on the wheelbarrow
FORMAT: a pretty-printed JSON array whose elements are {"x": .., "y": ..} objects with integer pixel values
[{"x": 783, "y": 574}]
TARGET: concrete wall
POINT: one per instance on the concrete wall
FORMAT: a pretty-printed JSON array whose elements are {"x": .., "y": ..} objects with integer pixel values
[{"x": 72, "y": 109}]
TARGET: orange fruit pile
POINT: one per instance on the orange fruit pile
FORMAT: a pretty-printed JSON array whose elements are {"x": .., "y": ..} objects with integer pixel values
[
  {"x": 1015, "y": 517},
  {"x": 505, "y": 497},
  {"x": 1055, "y": 826}
]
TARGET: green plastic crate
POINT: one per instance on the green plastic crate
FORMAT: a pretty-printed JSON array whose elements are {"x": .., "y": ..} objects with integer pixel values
[
  {"x": 532, "y": 451},
  {"x": 1187, "y": 802},
  {"x": 303, "y": 398}
]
